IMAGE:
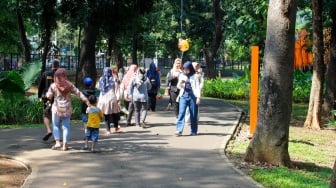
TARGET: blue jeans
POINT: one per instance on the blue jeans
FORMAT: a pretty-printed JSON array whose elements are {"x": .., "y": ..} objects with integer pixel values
[
  {"x": 56, "y": 121},
  {"x": 187, "y": 100}
]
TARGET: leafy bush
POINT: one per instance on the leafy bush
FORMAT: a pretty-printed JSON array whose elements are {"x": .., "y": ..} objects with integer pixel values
[
  {"x": 301, "y": 86},
  {"x": 77, "y": 108},
  {"x": 20, "y": 111},
  {"x": 239, "y": 87},
  {"x": 226, "y": 89}
]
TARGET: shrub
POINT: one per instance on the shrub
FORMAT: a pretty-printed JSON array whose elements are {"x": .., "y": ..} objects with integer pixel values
[
  {"x": 77, "y": 108},
  {"x": 226, "y": 89},
  {"x": 239, "y": 87},
  {"x": 20, "y": 111},
  {"x": 301, "y": 86}
]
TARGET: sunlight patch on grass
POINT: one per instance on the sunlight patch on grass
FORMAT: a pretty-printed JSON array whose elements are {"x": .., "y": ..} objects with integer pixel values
[{"x": 281, "y": 177}]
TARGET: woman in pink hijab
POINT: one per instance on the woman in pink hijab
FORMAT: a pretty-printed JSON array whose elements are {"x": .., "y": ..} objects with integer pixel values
[
  {"x": 60, "y": 92},
  {"x": 124, "y": 87}
]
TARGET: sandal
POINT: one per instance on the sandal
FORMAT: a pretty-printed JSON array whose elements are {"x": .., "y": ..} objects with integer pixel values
[
  {"x": 56, "y": 147},
  {"x": 84, "y": 148}
]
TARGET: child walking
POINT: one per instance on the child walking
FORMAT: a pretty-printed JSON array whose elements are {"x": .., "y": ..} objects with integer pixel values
[{"x": 92, "y": 127}]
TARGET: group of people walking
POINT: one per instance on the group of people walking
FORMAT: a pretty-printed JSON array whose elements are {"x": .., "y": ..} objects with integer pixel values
[{"x": 137, "y": 88}]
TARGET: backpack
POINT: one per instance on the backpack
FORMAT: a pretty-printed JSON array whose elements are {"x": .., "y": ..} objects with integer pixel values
[{"x": 62, "y": 104}]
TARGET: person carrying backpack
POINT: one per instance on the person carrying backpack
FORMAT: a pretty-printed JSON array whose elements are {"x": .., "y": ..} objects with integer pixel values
[
  {"x": 154, "y": 78},
  {"x": 60, "y": 91},
  {"x": 46, "y": 80}
]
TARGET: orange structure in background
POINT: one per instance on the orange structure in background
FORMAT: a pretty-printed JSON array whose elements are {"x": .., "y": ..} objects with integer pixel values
[
  {"x": 302, "y": 57},
  {"x": 254, "y": 88}
]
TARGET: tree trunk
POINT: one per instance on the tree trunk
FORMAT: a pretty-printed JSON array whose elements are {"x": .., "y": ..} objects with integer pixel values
[
  {"x": 333, "y": 178},
  {"x": 135, "y": 49},
  {"x": 210, "y": 64},
  {"x": 109, "y": 52},
  {"x": 24, "y": 42},
  {"x": 313, "y": 119},
  {"x": 211, "y": 52},
  {"x": 329, "y": 97},
  {"x": 270, "y": 141},
  {"x": 87, "y": 66},
  {"x": 46, "y": 46},
  {"x": 78, "y": 54}
]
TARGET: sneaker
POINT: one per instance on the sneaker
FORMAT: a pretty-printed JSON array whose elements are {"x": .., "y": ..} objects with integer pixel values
[
  {"x": 47, "y": 136},
  {"x": 125, "y": 111},
  {"x": 178, "y": 133},
  {"x": 193, "y": 134}
]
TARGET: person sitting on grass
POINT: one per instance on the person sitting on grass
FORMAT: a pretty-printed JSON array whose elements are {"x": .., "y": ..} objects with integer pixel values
[{"x": 92, "y": 127}]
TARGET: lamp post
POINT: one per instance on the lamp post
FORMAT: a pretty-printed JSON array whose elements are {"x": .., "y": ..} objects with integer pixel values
[{"x": 181, "y": 24}]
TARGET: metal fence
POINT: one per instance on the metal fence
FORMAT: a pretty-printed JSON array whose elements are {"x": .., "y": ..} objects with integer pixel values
[{"x": 13, "y": 61}]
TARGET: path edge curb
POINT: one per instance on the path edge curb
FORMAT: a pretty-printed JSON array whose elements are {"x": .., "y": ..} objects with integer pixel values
[
  {"x": 226, "y": 141},
  {"x": 24, "y": 164}
]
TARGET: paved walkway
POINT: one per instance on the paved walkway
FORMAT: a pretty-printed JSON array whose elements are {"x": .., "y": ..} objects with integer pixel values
[{"x": 136, "y": 158}]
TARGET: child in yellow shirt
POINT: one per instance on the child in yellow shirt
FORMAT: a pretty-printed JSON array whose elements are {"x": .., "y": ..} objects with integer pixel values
[{"x": 92, "y": 127}]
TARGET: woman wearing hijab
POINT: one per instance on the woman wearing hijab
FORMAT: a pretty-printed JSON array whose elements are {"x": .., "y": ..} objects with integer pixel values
[
  {"x": 124, "y": 88},
  {"x": 138, "y": 92},
  {"x": 172, "y": 80},
  {"x": 154, "y": 78},
  {"x": 200, "y": 76},
  {"x": 109, "y": 99},
  {"x": 60, "y": 91},
  {"x": 189, "y": 97}
]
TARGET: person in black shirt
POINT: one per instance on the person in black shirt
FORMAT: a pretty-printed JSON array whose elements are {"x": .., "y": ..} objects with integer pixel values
[
  {"x": 87, "y": 91},
  {"x": 46, "y": 80}
]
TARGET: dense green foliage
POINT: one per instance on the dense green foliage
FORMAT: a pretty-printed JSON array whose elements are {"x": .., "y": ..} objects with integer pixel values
[
  {"x": 29, "y": 110},
  {"x": 20, "y": 111},
  {"x": 239, "y": 87}
]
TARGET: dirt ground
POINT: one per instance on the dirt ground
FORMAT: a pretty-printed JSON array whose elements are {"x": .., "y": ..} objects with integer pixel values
[{"x": 12, "y": 173}]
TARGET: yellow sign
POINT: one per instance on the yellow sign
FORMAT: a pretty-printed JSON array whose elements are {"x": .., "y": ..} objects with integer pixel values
[{"x": 183, "y": 45}]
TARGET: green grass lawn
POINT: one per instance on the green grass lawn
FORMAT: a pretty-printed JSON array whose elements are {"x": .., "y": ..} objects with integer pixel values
[{"x": 312, "y": 154}]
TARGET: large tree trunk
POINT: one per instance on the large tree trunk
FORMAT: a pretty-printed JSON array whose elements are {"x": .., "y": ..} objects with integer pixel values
[
  {"x": 330, "y": 93},
  {"x": 87, "y": 66},
  {"x": 46, "y": 46},
  {"x": 48, "y": 22},
  {"x": 270, "y": 141},
  {"x": 329, "y": 96},
  {"x": 313, "y": 119},
  {"x": 211, "y": 52},
  {"x": 109, "y": 52},
  {"x": 24, "y": 42},
  {"x": 135, "y": 49},
  {"x": 333, "y": 178}
]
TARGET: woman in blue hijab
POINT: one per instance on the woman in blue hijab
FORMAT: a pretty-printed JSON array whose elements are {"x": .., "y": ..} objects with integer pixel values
[
  {"x": 189, "y": 97},
  {"x": 108, "y": 99},
  {"x": 154, "y": 78}
]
